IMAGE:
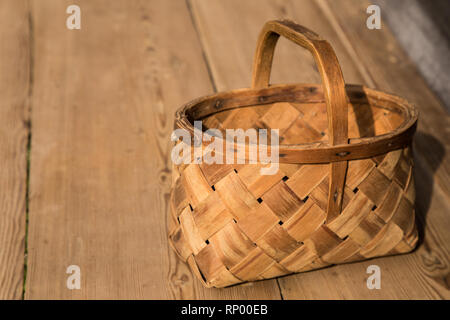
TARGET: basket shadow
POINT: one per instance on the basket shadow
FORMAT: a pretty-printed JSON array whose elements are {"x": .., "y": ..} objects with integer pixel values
[
  {"x": 424, "y": 172},
  {"x": 425, "y": 165},
  {"x": 364, "y": 116}
]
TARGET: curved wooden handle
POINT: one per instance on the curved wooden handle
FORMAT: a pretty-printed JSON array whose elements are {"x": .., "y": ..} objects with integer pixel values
[
  {"x": 334, "y": 90},
  {"x": 326, "y": 60}
]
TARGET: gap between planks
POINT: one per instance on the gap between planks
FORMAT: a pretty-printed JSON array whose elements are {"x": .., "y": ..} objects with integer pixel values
[
  {"x": 29, "y": 139},
  {"x": 202, "y": 45}
]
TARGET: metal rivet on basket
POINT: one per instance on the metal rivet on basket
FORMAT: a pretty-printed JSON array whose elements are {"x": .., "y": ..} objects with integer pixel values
[
  {"x": 262, "y": 99},
  {"x": 343, "y": 153},
  {"x": 218, "y": 104}
]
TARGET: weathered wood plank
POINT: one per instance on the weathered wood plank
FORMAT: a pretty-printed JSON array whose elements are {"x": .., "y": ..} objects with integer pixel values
[
  {"x": 226, "y": 28},
  {"x": 103, "y": 108},
  {"x": 428, "y": 48},
  {"x": 390, "y": 69},
  {"x": 229, "y": 30},
  {"x": 14, "y": 92},
  {"x": 428, "y": 266}
]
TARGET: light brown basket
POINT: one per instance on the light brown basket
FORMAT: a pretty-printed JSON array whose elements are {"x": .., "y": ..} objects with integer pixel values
[{"x": 344, "y": 190}]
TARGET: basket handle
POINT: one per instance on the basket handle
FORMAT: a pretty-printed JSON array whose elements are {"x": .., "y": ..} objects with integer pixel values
[
  {"x": 334, "y": 90},
  {"x": 326, "y": 60}
]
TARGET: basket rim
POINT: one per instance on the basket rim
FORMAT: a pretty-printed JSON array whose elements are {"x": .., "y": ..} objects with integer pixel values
[{"x": 315, "y": 152}]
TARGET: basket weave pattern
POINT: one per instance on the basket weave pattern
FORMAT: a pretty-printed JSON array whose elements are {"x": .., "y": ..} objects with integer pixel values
[{"x": 232, "y": 224}]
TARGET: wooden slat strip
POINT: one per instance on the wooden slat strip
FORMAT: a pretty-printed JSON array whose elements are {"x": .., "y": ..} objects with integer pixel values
[{"x": 15, "y": 82}]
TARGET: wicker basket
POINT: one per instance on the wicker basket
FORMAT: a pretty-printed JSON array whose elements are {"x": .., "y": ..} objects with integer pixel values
[{"x": 344, "y": 190}]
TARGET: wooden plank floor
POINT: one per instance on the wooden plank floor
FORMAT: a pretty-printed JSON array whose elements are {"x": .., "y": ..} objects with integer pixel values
[
  {"x": 14, "y": 130},
  {"x": 102, "y": 101}
]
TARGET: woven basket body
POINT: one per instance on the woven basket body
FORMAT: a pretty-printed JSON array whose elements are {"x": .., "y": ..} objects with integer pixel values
[{"x": 344, "y": 190}]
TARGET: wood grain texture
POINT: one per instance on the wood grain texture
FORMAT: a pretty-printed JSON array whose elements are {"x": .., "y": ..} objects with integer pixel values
[
  {"x": 103, "y": 110},
  {"x": 362, "y": 61},
  {"x": 14, "y": 128}
]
